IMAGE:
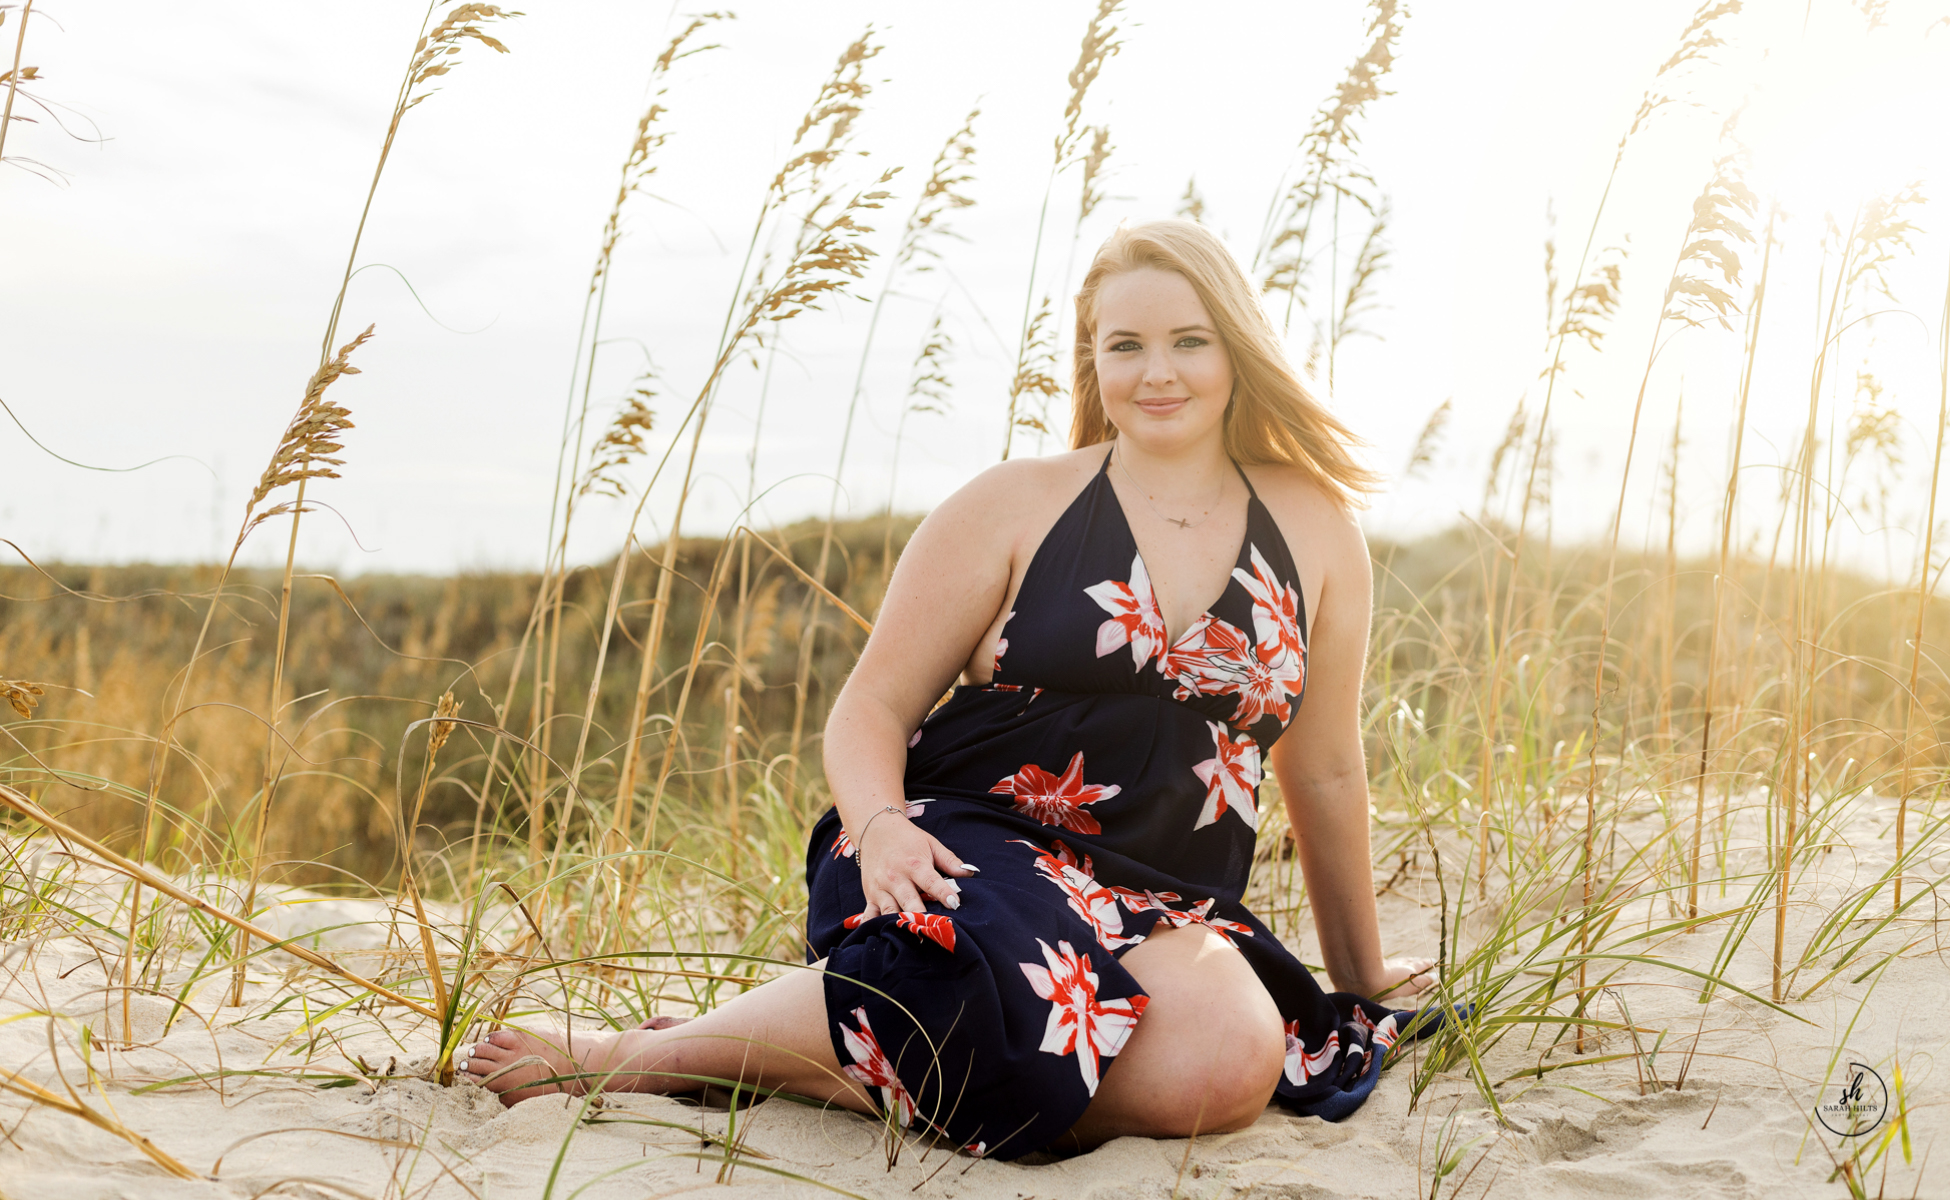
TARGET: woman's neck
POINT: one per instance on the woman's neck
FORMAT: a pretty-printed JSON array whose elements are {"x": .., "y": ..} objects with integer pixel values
[{"x": 1187, "y": 472}]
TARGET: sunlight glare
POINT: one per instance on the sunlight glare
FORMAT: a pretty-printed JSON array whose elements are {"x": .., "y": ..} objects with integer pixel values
[{"x": 1839, "y": 117}]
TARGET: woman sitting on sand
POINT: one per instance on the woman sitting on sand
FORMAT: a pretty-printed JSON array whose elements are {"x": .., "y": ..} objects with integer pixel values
[{"x": 1025, "y": 919}]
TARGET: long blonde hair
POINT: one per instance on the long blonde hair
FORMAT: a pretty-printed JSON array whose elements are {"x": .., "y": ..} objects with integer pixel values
[{"x": 1272, "y": 418}]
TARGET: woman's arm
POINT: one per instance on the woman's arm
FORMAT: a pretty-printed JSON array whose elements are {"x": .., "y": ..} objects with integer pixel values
[
  {"x": 947, "y": 590},
  {"x": 1323, "y": 773}
]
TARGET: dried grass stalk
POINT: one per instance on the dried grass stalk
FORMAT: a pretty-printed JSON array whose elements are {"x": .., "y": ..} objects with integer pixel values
[
  {"x": 73, "y": 1105},
  {"x": 68, "y": 833}
]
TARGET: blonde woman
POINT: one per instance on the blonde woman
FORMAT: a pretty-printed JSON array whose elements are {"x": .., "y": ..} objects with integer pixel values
[{"x": 1025, "y": 925}]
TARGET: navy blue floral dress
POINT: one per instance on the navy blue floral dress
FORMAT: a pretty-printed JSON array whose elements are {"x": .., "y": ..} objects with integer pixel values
[{"x": 1105, "y": 783}]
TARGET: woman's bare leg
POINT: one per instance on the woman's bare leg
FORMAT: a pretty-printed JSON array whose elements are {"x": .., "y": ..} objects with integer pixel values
[
  {"x": 773, "y": 1036},
  {"x": 1206, "y": 1054},
  {"x": 1204, "y": 1058}
]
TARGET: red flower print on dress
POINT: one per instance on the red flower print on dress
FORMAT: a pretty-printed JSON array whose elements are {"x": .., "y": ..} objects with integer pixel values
[
  {"x": 843, "y": 845},
  {"x": 1276, "y": 606},
  {"x": 1001, "y": 644},
  {"x": 1302, "y": 1066},
  {"x": 1214, "y": 658},
  {"x": 1057, "y": 801},
  {"x": 1230, "y": 777},
  {"x": 935, "y": 928},
  {"x": 1079, "y": 1023},
  {"x": 1134, "y": 617},
  {"x": 1092, "y": 901},
  {"x": 871, "y": 1067},
  {"x": 1161, "y": 902}
]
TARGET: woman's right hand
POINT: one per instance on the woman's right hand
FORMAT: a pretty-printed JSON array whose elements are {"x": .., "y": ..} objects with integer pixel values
[{"x": 902, "y": 866}]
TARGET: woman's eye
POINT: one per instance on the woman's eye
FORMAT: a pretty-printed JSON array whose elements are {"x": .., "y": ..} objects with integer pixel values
[
  {"x": 1124, "y": 346},
  {"x": 1191, "y": 343}
]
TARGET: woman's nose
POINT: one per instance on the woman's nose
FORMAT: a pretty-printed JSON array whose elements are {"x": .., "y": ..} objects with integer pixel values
[{"x": 1157, "y": 369}]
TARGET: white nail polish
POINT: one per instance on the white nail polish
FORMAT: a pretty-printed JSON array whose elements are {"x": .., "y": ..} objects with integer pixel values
[
  {"x": 970, "y": 867},
  {"x": 953, "y": 901}
]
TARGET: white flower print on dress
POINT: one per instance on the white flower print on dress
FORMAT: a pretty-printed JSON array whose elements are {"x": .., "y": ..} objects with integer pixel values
[
  {"x": 1276, "y": 606},
  {"x": 1302, "y": 1066},
  {"x": 1057, "y": 801},
  {"x": 1001, "y": 644},
  {"x": 1383, "y": 1032},
  {"x": 1134, "y": 616},
  {"x": 871, "y": 1067},
  {"x": 1231, "y": 777},
  {"x": 1092, "y": 901},
  {"x": 1078, "y": 1023}
]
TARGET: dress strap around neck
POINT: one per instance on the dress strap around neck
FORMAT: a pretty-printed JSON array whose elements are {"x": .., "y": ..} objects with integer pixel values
[
  {"x": 1105, "y": 468},
  {"x": 1243, "y": 479}
]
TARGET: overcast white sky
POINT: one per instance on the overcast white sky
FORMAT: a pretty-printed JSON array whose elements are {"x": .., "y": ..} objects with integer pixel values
[{"x": 166, "y": 295}]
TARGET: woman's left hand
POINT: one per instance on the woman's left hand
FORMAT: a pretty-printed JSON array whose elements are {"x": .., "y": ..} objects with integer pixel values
[{"x": 1400, "y": 978}]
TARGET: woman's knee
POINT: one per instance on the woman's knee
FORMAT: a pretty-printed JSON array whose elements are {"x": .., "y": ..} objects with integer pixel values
[{"x": 1216, "y": 1028}]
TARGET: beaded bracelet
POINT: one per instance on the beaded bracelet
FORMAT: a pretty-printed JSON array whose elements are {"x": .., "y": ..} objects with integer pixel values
[{"x": 861, "y": 841}]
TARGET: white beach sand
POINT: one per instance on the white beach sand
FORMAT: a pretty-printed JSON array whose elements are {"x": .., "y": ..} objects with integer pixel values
[{"x": 1741, "y": 1127}]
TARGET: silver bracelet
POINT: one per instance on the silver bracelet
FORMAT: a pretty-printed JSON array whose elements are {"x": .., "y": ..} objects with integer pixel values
[{"x": 861, "y": 841}]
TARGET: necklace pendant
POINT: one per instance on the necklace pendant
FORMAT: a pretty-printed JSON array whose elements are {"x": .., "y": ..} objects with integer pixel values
[{"x": 1182, "y": 524}]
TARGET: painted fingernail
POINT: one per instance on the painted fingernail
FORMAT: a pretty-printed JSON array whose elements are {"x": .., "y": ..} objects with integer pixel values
[
  {"x": 970, "y": 867},
  {"x": 953, "y": 901}
]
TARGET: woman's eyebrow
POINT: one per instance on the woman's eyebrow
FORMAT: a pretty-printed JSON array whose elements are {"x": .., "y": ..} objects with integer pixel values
[{"x": 1120, "y": 333}]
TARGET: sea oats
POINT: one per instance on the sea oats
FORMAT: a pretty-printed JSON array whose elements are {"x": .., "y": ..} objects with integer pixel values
[
  {"x": 1708, "y": 267},
  {"x": 442, "y": 728},
  {"x": 622, "y": 443},
  {"x": 308, "y": 447},
  {"x": 1035, "y": 384},
  {"x": 1421, "y": 456},
  {"x": 1191, "y": 205},
  {"x": 1093, "y": 171},
  {"x": 21, "y": 695}
]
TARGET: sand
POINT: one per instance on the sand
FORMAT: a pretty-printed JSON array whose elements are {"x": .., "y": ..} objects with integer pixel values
[{"x": 1742, "y": 1126}]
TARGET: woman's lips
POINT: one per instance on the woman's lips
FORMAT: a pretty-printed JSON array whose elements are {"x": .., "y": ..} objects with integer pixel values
[{"x": 1162, "y": 406}]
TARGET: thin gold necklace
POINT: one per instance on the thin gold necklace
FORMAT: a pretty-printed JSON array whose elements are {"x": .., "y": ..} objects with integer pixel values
[{"x": 1181, "y": 522}]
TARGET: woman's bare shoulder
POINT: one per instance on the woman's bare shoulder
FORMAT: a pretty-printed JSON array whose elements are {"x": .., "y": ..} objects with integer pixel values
[
  {"x": 1021, "y": 491},
  {"x": 1307, "y": 513}
]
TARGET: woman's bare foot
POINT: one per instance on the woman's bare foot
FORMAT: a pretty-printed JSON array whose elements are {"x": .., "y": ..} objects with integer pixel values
[{"x": 519, "y": 1065}]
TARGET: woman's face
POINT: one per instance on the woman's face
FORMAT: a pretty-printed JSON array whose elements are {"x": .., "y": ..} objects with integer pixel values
[{"x": 1164, "y": 374}]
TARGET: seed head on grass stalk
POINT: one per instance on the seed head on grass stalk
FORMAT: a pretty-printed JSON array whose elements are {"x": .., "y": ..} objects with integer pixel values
[
  {"x": 1326, "y": 151},
  {"x": 1035, "y": 383},
  {"x": 621, "y": 444},
  {"x": 1100, "y": 43},
  {"x": 545, "y": 614},
  {"x": 829, "y": 254},
  {"x": 928, "y": 389},
  {"x": 1421, "y": 456},
  {"x": 21, "y": 695},
  {"x": 433, "y": 56},
  {"x": 1191, "y": 206},
  {"x": 1597, "y": 296},
  {"x": 925, "y": 226}
]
